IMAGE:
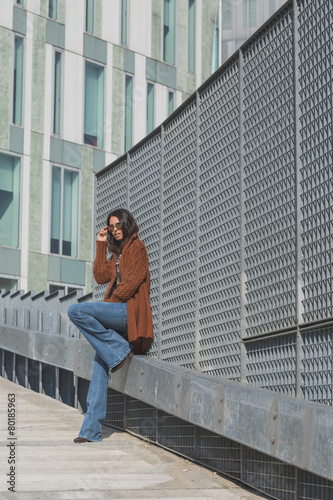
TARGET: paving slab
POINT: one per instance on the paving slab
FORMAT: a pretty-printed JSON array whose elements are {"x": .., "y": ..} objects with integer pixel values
[{"x": 39, "y": 457}]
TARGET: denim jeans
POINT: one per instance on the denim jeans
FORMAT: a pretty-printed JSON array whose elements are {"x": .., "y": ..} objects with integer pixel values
[{"x": 104, "y": 324}]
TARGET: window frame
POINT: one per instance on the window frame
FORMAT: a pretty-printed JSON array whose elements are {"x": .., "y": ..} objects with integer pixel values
[
  {"x": 126, "y": 146},
  {"x": 102, "y": 67},
  {"x": 13, "y": 100},
  {"x": 11, "y": 277},
  {"x": 65, "y": 286},
  {"x": 164, "y": 37},
  {"x": 189, "y": 40},
  {"x": 57, "y": 10},
  {"x": 170, "y": 91},
  {"x": 75, "y": 170},
  {"x": 86, "y": 17},
  {"x": 61, "y": 53},
  {"x": 122, "y": 42},
  {"x": 152, "y": 85},
  {"x": 18, "y": 160}
]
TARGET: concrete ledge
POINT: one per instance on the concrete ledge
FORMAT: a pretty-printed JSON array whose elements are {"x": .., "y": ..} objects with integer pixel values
[
  {"x": 292, "y": 430},
  {"x": 295, "y": 431}
]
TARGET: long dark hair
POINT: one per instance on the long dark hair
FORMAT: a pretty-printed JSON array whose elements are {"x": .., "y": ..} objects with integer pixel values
[{"x": 128, "y": 226}]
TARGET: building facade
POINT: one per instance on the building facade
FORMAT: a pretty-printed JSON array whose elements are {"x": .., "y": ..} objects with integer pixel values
[{"x": 81, "y": 83}]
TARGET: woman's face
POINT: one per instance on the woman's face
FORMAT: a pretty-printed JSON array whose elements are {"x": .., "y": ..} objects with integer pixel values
[{"x": 114, "y": 230}]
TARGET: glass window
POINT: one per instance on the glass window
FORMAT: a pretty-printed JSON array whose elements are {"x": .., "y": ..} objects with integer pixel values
[
  {"x": 128, "y": 111},
  {"x": 90, "y": 8},
  {"x": 8, "y": 284},
  {"x": 150, "y": 107},
  {"x": 252, "y": 13},
  {"x": 20, "y": 2},
  {"x": 226, "y": 15},
  {"x": 66, "y": 288},
  {"x": 124, "y": 22},
  {"x": 216, "y": 46},
  {"x": 18, "y": 81},
  {"x": 64, "y": 212},
  {"x": 57, "y": 93},
  {"x": 169, "y": 31},
  {"x": 53, "y": 8},
  {"x": 170, "y": 103},
  {"x": 191, "y": 35},
  {"x": 271, "y": 7},
  {"x": 94, "y": 105},
  {"x": 9, "y": 200}
]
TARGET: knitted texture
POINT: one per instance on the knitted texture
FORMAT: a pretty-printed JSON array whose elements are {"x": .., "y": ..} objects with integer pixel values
[{"x": 133, "y": 288}]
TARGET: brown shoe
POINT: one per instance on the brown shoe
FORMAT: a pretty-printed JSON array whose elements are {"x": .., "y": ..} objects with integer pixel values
[
  {"x": 116, "y": 368},
  {"x": 81, "y": 440}
]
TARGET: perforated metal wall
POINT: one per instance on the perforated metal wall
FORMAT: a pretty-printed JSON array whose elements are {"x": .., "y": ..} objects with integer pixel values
[
  {"x": 269, "y": 170},
  {"x": 145, "y": 203},
  {"x": 271, "y": 363},
  {"x": 220, "y": 225},
  {"x": 233, "y": 195},
  {"x": 316, "y": 97},
  {"x": 317, "y": 373}
]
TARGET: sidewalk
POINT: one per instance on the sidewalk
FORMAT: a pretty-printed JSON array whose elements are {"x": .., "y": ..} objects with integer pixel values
[{"x": 48, "y": 465}]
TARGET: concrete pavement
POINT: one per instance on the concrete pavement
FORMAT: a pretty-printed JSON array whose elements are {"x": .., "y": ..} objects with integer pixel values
[{"x": 40, "y": 460}]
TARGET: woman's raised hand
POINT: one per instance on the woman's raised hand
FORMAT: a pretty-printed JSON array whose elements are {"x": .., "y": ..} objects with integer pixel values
[{"x": 102, "y": 235}]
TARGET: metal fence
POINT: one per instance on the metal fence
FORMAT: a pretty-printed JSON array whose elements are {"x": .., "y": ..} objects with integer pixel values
[{"x": 233, "y": 196}]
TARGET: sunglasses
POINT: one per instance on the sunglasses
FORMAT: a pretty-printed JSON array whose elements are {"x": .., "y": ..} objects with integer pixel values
[{"x": 111, "y": 226}]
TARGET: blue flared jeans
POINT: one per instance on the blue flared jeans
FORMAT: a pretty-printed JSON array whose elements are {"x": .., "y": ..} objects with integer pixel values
[{"x": 104, "y": 324}]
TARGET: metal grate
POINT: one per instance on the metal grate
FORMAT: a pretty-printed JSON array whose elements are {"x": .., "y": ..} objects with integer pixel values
[
  {"x": 316, "y": 92},
  {"x": 219, "y": 453},
  {"x": 219, "y": 226},
  {"x": 268, "y": 475},
  {"x": 270, "y": 178},
  {"x": 141, "y": 419},
  {"x": 145, "y": 204},
  {"x": 176, "y": 434},
  {"x": 317, "y": 370},
  {"x": 314, "y": 487},
  {"x": 178, "y": 280},
  {"x": 115, "y": 408},
  {"x": 271, "y": 363}
]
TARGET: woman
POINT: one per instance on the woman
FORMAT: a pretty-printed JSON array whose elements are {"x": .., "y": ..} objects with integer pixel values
[{"x": 122, "y": 324}]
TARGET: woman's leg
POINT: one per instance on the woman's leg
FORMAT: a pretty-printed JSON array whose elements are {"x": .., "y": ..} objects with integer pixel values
[
  {"x": 98, "y": 321},
  {"x": 102, "y": 323},
  {"x": 96, "y": 401}
]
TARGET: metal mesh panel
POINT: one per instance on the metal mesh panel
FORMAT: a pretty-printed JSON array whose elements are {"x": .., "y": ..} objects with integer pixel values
[
  {"x": 219, "y": 453},
  {"x": 219, "y": 230},
  {"x": 9, "y": 365},
  {"x": 176, "y": 434},
  {"x": 271, "y": 363},
  {"x": 20, "y": 369},
  {"x": 145, "y": 204},
  {"x": 314, "y": 487},
  {"x": 178, "y": 278},
  {"x": 270, "y": 178},
  {"x": 115, "y": 408},
  {"x": 111, "y": 193},
  {"x": 317, "y": 370},
  {"x": 316, "y": 91},
  {"x": 268, "y": 475},
  {"x": 141, "y": 419}
]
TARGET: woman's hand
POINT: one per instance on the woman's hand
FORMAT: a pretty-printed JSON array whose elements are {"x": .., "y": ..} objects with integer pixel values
[{"x": 102, "y": 235}]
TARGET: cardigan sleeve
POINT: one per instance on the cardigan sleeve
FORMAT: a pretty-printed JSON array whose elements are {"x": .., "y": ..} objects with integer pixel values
[
  {"x": 134, "y": 273},
  {"x": 102, "y": 269}
]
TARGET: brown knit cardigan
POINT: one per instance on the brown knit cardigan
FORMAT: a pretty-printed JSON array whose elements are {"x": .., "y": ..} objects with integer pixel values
[{"x": 133, "y": 289}]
